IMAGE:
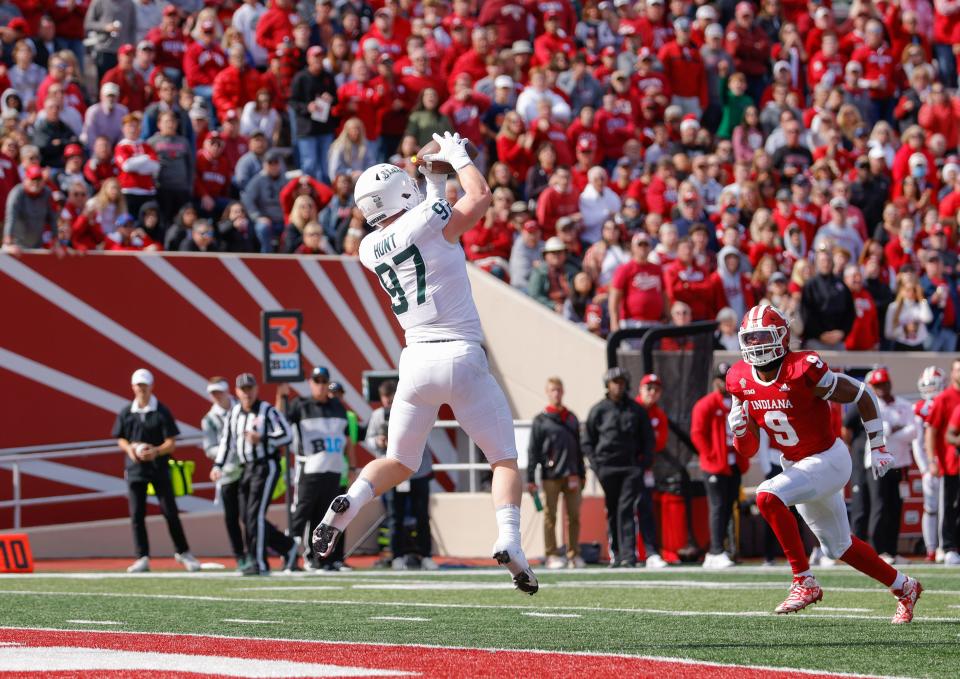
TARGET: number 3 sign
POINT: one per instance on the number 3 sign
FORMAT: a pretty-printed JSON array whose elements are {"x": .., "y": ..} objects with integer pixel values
[{"x": 15, "y": 556}]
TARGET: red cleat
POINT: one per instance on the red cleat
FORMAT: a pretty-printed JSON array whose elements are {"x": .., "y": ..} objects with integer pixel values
[
  {"x": 803, "y": 592},
  {"x": 906, "y": 600}
]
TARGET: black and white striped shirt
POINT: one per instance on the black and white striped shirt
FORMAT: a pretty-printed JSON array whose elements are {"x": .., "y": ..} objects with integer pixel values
[{"x": 262, "y": 418}]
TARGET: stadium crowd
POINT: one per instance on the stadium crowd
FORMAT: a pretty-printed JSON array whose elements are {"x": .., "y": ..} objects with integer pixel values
[{"x": 649, "y": 161}]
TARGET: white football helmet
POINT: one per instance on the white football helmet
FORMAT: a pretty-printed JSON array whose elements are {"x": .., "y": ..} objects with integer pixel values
[
  {"x": 931, "y": 382},
  {"x": 764, "y": 335},
  {"x": 384, "y": 190}
]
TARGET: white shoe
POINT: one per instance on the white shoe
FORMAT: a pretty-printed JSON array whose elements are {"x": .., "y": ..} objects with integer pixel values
[
  {"x": 708, "y": 560},
  {"x": 512, "y": 557},
  {"x": 141, "y": 565},
  {"x": 555, "y": 563},
  {"x": 886, "y": 558},
  {"x": 399, "y": 563},
  {"x": 577, "y": 562},
  {"x": 718, "y": 561},
  {"x": 654, "y": 560},
  {"x": 827, "y": 562},
  {"x": 938, "y": 555},
  {"x": 815, "y": 556},
  {"x": 951, "y": 558},
  {"x": 428, "y": 564},
  {"x": 188, "y": 561}
]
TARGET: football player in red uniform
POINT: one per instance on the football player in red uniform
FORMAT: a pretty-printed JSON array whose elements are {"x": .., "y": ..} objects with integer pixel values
[
  {"x": 929, "y": 385},
  {"x": 786, "y": 393}
]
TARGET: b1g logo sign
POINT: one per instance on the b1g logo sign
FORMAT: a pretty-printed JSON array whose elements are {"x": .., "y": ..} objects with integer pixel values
[{"x": 281, "y": 346}]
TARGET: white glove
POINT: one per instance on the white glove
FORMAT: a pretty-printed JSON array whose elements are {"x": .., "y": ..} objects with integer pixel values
[
  {"x": 880, "y": 461},
  {"x": 436, "y": 183},
  {"x": 453, "y": 149},
  {"x": 737, "y": 419}
]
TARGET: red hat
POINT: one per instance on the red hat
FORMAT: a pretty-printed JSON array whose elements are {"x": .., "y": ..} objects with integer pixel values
[
  {"x": 608, "y": 51},
  {"x": 531, "y": 225},
  {"x": 651, "y": 379},
  {"x": 551, "y": 14},
  {"x": 19, "y": 24},
  {"x": 231, "y": 114},
  {"x": 586, "y": 144},
  {"x": 170, "y": 10},
  {"x": 126, "y": 49},
  {"x": 34, "y": 172},
  {"x": 315, "y": 50},
  {"x": 878, "y": 376},
  {"x": 72, "y": 150}
]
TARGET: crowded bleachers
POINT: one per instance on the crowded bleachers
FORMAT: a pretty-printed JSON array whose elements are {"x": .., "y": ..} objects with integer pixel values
[{"x": 640, "y": 153}]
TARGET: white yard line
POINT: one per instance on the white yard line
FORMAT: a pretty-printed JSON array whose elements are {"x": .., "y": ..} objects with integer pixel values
[
  {"x": 534, "y": 614},
  {"x": 95, "y": 622},
  {"x": 420, "y": 604},
  {"x": 244, "y": 621},
  {"x": 818, "y": 608},
  {"x": 399, "y": 618},
  {"x": 684, "y": 661}
]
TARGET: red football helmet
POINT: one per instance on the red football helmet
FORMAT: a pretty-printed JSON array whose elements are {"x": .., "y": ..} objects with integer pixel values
[
  {"x": 764, "y": 335},
  {"x": 931, "y": 382}
]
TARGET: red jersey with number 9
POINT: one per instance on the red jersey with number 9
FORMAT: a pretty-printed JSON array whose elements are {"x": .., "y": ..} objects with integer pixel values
[{"x": 797, "y": 420}]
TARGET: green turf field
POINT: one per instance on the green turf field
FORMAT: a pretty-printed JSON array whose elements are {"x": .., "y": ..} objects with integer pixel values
[{"x": 677, "y": 612}]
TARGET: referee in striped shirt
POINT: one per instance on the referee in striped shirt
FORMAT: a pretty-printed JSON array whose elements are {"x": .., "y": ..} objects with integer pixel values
[{"x": 254, "y": 431}]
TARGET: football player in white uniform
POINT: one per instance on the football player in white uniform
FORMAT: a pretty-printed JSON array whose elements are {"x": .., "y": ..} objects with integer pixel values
[
  {"x": 929, "y": 385},
  {"x": 416, "y": 254}
]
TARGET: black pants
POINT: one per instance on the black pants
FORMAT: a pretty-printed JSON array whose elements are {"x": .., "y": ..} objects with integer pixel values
[
  {"x": 104, "y": 62},
  {"x": 415, "y": 504},
  {"x": 256, "y": 489},
  {"x": 137, "y": 492},
  {"x": 315, "y": 492},
  {"x": 135, "y": 201},
  {"x": 648, "y": 527},
  {"x": 949, "y": 512},
  {"x": 859, "y": 495},
  {"x": 230, "y": 497},
  {"x": 622, "y": 488},
  {"x": 885, "y": 507},
  {"x": 723, "y": 491},
  {"x": 171, "y": 201}
]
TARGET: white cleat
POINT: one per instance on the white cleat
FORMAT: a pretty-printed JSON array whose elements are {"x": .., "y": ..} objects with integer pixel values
[
  {"x": 654, "y": 560},
  {"x": 554, "y": 562},
  {"x": 577, "y": 562},
  {"x": 188, "y": 561},
  {"x": 141, "y": 565},
  {"x": 951, "y": 558},
  {"x": 428, "y": 564}
]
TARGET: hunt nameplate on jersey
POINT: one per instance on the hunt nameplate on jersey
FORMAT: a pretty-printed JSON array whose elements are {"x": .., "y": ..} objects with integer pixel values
[
  {"x": 15, "y": 555},
  {"x": 282, "y": 361}
]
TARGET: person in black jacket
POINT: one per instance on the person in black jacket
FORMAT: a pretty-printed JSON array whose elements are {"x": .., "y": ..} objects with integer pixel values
[
  {"x": 555, "y": 448},
  {"x": 146, "y": 433},
  {"x": 313, "y": 94},
  {"x": 826, "y": 306},
  {"x": 619, "y": 443}
]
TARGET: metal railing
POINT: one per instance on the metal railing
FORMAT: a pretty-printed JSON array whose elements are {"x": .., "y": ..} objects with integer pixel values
[{"x": 13, "y": 458}]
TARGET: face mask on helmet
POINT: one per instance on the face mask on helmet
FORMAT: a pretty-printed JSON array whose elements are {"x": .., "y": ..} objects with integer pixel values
[
  {"x": 762, "y": 346},
  {"x": 930, "y": 383}
]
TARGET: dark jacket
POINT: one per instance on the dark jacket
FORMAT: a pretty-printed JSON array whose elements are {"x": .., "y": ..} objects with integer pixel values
[
  {"x": 304, "y": 89},
  {"x": 153, "y": 427},
  {"x": 555, "y": 446},
  {"x": 618, "y": 434},
  {"x": 826, "y": 304}
]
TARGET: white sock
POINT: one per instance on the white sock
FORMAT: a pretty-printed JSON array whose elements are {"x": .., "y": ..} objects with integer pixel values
[
  {"x": 805, "y": 574},
  {"x": 931, "y": 535},
  {"x": 360, "y": 493},
  {"x": 899, "y": 582},
  {"x": 508, "y": 525}
]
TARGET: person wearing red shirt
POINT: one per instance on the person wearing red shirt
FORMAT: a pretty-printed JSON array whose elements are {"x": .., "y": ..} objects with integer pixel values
[
  {"x": 833, "y": 150},
  {"x": 826, "y": 65},
  {"x": 133, "y": 89},
  {"x": 878, "y": 71},
  {"x": 684, "y": 69},
  {"x": 545, "y": 129},
  {"x": 565, "y": 14},
  {"x": 946, "y": 18},
  {"x": 515, "y": 145},
  {"x": 72, "y": 94},
  {"x": 397, "y": 102},
  {"x": 276, "y": 25},
  {"x": 661, "y": 193},
  {"x": 304, "y": 185},
  {"x": 615, "y": 125},
  {"x": 585, "y": 159},
  {"x": 235, "y": 85},
  {"x": 914, "y": 141},
  {"x": 99, "y": 167},
  {"x": 128, "y": 238},
  {"x": 137, "y": 163},
  {"x": 556, "y": 201},
  {"x": 749, "y": 46},
  {"x": 465, "y": 108},
  {"x": 938, "y": 115},
  {"x": 492, "y": 237},
  {"x": 169, "y": 41},
  {"x": 636, "y": 294},
  {"x": 648, "y": 395},
  {"x": 552, "y": 41},
  {"x": 203, "y": 60},
  {"x": 720, "y": 462},
  {"x": 865, "y": 333},
  {"x": 687, "y": 282},
  {"x": 212, "y": 181},
  {"x": 472, "y": 62},
  {"x": 653, "y": 27},
  {"x": 509, "y": 17},
  {"x": 235, "y": 145},
  {"x": 358, "y": 97},
  {"x": 943, "y": 427},
  {"x": 419, "y": 75},
  {"x": 646, "y": 81},
  {"x": 68, "y": 16},
  {"x": 383, "y": 31}
]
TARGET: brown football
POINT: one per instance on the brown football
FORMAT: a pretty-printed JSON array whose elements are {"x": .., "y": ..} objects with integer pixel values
[{"x": 440, "y": 166}]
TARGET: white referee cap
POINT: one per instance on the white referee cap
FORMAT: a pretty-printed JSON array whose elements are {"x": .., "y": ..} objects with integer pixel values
[{"x": 142, "y": 376}]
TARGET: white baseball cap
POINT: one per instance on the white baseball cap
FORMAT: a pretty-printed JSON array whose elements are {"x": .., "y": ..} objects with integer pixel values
[
  {"x": 142, "y": 376},
  {"x": 503, "y": 81}
]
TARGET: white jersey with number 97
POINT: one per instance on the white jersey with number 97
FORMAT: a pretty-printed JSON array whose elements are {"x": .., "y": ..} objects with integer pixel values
[{"x": 424, "y": 274}]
